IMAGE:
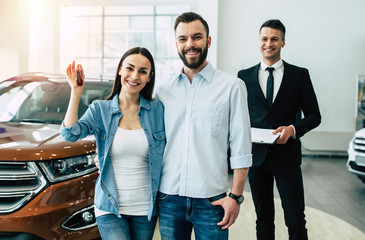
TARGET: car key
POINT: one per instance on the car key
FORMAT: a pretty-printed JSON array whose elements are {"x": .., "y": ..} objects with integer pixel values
[{"x": 79, "y": 78}]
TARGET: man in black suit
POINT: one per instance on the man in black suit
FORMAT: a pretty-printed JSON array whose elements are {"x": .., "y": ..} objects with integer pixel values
[{"x": 277, "y": 91}]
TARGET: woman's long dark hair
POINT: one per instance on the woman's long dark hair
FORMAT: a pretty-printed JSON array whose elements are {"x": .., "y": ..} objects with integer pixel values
[{"x": 148, "y": 89}]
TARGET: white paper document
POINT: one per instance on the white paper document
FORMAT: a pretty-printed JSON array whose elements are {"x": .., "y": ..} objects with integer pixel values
[{"x": 264, "y": 136}]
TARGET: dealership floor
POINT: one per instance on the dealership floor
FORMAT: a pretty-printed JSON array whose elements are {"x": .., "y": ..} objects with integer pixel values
[
  {"x": 335, "y": 201},
  {"x": 335, "y": 204},
  {"x": 331, "y": 188}
]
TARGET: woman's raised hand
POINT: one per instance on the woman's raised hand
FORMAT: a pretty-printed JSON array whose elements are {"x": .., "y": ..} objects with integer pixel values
[
  {"x": 76, "y": 92},
  {"x": 75, "y": 76}
]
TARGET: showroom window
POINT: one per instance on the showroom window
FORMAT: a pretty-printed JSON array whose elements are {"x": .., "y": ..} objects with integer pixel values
[{"x": 97, "y": 36}]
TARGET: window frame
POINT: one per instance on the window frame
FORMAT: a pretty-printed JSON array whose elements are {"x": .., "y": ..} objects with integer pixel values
[{"x": 166, "y": 65}]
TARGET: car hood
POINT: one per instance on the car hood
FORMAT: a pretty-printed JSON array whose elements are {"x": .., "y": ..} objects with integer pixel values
[
  {"x": 38, "y": 142},
  {"x": 360, "y": 133}
]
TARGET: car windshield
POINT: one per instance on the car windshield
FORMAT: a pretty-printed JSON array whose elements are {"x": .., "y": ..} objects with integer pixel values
[{"x": 44, "y": 101}]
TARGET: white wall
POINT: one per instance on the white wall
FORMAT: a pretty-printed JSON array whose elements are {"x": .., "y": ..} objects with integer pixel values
[{"x": 326, "y": 37}]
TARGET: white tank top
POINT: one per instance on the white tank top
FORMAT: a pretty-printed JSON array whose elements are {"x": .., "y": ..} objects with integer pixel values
[{"x": 129, "y": 156}]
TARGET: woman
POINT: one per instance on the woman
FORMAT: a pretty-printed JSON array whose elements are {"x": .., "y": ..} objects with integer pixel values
[{"x": 130, "y": 136}]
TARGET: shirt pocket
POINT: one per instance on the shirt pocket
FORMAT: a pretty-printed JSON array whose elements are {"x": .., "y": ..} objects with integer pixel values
[
  {"x": 100, "y": 138},
  {"x": 209, "y": 118},
  {"x": 159, "y": 140},
  {"x": 100, "y": 135}
]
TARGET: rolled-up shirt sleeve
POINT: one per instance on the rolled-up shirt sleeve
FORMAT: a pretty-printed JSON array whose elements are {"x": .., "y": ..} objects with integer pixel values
[
  {"x": 240, "y": 128},
  {"x": 81, "y": 129}
]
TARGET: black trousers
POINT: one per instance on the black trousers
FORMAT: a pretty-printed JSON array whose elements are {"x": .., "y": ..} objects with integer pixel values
[{"x": 290, "y": 186}]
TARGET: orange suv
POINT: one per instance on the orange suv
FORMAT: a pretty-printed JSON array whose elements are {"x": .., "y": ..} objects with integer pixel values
[{"x": 46, "y": 184}]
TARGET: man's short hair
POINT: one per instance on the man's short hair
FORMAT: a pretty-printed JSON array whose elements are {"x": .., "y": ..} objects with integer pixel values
[
  {"x": 276, "y": 24},
  {"x": 188, "y": 17}
]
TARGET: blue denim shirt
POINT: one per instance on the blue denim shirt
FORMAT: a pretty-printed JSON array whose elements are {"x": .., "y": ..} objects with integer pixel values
[{"x": 101, "y": 120}]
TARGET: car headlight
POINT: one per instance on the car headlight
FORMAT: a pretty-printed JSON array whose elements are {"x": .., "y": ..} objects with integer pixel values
[{"x": 63, "y": 169}]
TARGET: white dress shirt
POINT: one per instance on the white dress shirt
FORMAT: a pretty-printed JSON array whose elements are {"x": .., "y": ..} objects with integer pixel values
[
  {"x": 202, "y": 119},
  {"x": 278, "y": 74}
]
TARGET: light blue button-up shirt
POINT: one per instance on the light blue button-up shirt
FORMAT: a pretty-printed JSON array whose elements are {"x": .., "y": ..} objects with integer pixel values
[{"x": 202, "y": 119}]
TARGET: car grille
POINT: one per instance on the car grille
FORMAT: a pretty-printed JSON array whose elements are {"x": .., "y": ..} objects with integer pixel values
[
  {"x": 357, "y": 167},
  {"x": 19, "y": 182},
  {"x": 359, "y": 144}
]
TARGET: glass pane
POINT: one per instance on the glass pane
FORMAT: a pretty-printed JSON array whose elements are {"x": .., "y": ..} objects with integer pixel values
[
  {"x": 172, "y": 46},
  {"x": 142, "y": 39},
  {"x": 80, "y": 37},
  {"x": 116, "y": 36},
  {"x": 164, "y": 37},
  {"x": 92, "y": 66},
  {"x": 124, "y": 27},
  {"x": 172, "y": 9},
  {"x": 64, "y": 62},
  {"x": 81, "y": 11},
  {"x": 141, "y": 23},
  {"x": 110, "y": 66},
  {"x": 45, "y": 101},
  {"x": 141, "y": 33},
  {"x": 129, "y": 10},
  {"x": 116, "y": 24},
  {"x": 115, "y": 44},
  {"x": 167, "y": 68},
  {"x": 163, "y": 40},
  {"x": 164, "y": 23},
  {"x": 13, "y": 98}
]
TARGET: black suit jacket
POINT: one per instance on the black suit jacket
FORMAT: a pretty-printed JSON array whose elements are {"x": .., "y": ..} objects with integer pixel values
[{"x": 296, "y": 92}]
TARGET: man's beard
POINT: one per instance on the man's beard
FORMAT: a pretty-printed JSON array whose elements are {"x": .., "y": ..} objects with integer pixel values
[{"x": 197, "y": 64}]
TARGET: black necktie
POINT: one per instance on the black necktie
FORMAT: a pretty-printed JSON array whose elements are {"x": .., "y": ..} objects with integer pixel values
[{"x": 270, "y": 86}]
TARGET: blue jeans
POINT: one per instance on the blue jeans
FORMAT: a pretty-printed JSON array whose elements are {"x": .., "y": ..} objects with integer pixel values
[
  {"x": 178, "y": 215},
  {"x": 126, "y": 228}
]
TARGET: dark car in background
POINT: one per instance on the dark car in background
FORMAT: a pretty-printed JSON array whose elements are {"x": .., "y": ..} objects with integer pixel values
[{"x": 46, "y": 184}]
